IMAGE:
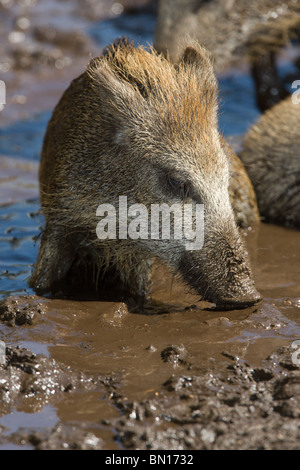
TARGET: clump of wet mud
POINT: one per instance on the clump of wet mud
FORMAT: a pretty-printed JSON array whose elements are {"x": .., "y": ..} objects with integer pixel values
[
  {"x": 72, "y": 436},
  {"x": 31, "y": 381},
  {"x": 16, "y": 311},
  {"x": 235, "y": 406}
]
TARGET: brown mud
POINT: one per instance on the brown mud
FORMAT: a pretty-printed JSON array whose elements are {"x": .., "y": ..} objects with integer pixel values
[
  {"x": 44, "y": 45},
  {"x": 180, "y": 375},
  {"x": 97, "y": 375}
]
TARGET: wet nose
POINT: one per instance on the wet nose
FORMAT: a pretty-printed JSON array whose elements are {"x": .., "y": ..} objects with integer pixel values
[{"x": 239, "y": 302}]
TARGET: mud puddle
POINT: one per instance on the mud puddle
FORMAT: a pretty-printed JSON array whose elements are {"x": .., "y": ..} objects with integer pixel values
[
  {"x": 177, "y": 375},
  {"x": 44, "y": 44}
]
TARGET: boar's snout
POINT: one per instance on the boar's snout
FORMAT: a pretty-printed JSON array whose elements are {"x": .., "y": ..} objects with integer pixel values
[
  {"x": 221, "y": 274},
  {"x": 248, "y": 300}
]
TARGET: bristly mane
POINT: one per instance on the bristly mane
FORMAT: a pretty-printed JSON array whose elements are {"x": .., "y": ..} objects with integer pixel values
[{"x": 184, "y": 95}]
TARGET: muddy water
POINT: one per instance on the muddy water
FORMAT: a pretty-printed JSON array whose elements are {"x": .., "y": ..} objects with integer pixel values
[{"x": 96, "y": 360}]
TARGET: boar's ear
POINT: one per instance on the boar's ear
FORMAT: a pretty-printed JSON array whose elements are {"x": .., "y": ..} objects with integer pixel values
[
  {"x": 197, "y": 64},
  {"x": 196, "y": 55},
  {"x": 198, "y": 59},
  {"x": 109, "y": 85},
  {"x": 118, "y": 99},
  {"x": 191, "y": 56}
]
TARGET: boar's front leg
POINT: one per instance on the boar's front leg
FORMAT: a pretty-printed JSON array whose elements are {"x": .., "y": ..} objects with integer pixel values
[{"x": 54, "y": 261}]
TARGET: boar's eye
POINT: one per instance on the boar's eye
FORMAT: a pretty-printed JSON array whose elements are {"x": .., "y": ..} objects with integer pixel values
[{"x": 178, "y": 187}]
